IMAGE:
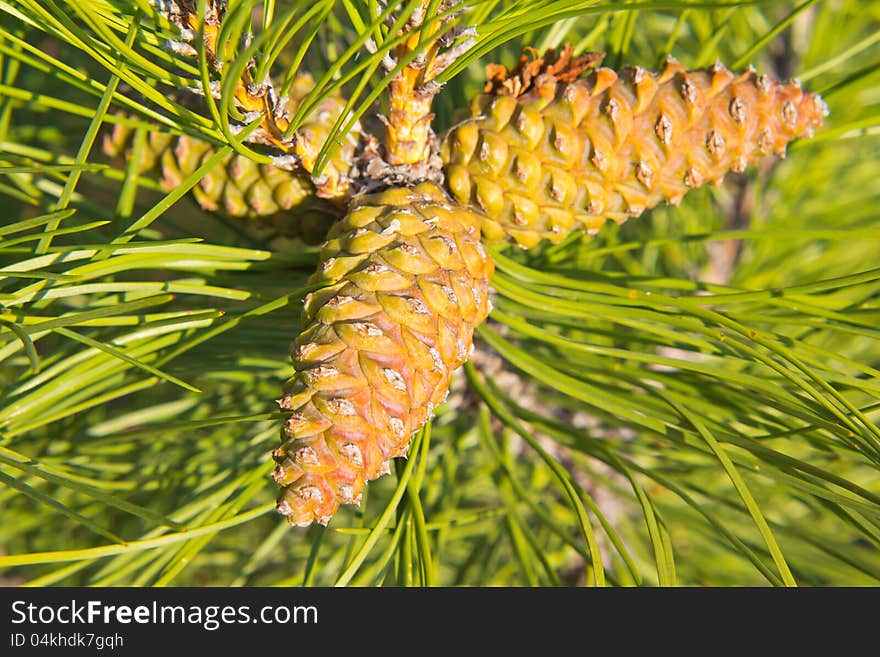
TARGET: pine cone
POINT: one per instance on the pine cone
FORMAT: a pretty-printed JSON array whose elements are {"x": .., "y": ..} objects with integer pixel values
[
  {"x": 119, "y": 141},
  {"x": 544, "y": 152},
  {"x": 241, "y": 188},
  {"x": 409, "y": 283}
]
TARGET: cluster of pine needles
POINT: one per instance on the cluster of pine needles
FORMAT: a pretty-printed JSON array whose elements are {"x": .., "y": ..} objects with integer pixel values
[{"x": 691, "y": 398}]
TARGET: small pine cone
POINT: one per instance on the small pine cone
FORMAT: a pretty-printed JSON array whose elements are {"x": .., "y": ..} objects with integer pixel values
[
  {"x": 119, "y": 141},
  {"x": 237, "y": 187},
  {"x": 241, "y": 188},
  {"x": 333, "y": 182},
  {"x": 544, "y": 152},
  {"x": 409, "y": 286}
]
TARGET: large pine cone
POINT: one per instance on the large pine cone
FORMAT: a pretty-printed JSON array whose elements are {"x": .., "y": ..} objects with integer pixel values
[{"x": 409, "y": 283}]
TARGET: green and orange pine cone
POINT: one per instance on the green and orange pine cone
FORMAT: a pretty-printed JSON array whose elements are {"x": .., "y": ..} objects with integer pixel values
[
  {"x": 544, "y": 152},
  {"x": 291, "y": 202},
  {"x": 407, "y": 285}
]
